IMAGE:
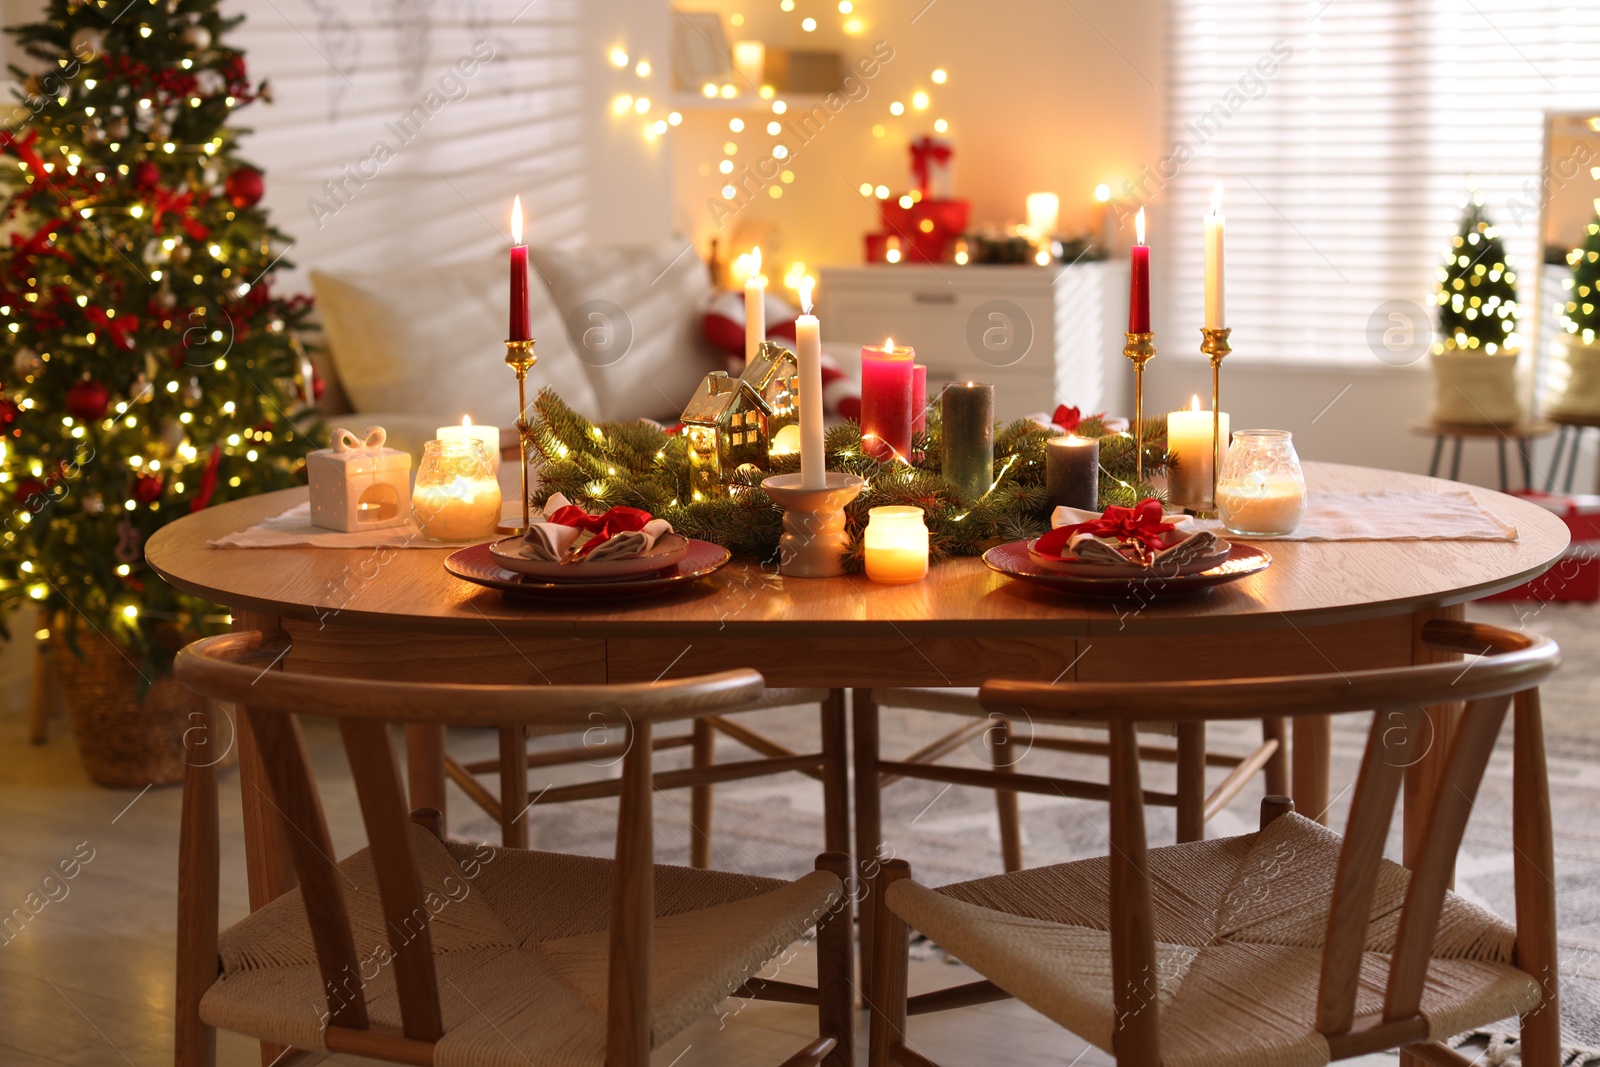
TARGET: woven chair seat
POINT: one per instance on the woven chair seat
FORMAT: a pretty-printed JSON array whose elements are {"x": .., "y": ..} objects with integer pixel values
[
  {"x": 1239, "y": 928},
  {"x": 521, "y": 946}
]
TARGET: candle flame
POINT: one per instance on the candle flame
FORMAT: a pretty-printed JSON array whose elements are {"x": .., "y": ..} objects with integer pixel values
[
  {"x": 516, "y": 221},
  {"x": 806, "y": 285},
  {"x": 755, "y": 261},
  {"x": 1194, "y": 402},
  {"x": 466, "y": 420},
  {"x": 888, "y": 345},
  {"x": 1138, "y": 227},
  {"x": 1216, "y": 198}
]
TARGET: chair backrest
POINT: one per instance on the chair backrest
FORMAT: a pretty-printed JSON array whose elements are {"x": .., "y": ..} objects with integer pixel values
[
  {"x": 241, "y": 669},
  {"x": 1406, "y": 702}
]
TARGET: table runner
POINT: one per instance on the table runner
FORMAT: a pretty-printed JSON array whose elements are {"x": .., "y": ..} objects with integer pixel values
[
  {"x": 293, "y": 529},
  {"x": 1395, "y": 516}
]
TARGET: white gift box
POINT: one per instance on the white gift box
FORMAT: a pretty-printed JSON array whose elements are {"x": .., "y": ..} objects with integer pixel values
[{"x": 359, "y": 484}]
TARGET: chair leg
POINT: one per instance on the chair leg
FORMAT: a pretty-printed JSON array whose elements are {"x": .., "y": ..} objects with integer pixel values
[
  {"x": 836, "y": 773},
  {"x": 199, "y": 860},
  {"x": 700, "y": 797},
  {"x": 869, "y": 819},
  {"x": 891, "y": 960},
  {"x": 1002, "y": 756},
  {"x": 1191, "y": 781},
  {"x": 836, "y": 997},
  {"x": 1277, "y": 770},
  {"x": 1537, "y": 951},
  {"x": 513, "y": 787}
]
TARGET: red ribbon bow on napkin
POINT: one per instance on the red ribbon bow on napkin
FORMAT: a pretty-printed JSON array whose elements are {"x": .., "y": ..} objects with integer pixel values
[
  {"x": 1141, "y": 523},
  {"x": 616, "y": 520}
]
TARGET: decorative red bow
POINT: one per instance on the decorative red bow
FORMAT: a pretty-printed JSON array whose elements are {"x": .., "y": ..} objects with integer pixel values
[
  {"x": 603, "y": 527},
  {"x": 165, "y": 201},
  {"x": 208, "y": 481},
  {"x": 24, "y": 150},
  {"x": 42, "y": 243},
  {"x": 926, "y": 151},
  {"x": 119, "y": 330},
  {"x": 1141, "y": 523}
]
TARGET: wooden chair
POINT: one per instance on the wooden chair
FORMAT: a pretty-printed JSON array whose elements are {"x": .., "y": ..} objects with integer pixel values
[
  {"x": 513, "y": 805},
  {"x": 1288, "y": 946},
  {"x": 1195, "y": 807},
  {"x": 421, "y": 951}
]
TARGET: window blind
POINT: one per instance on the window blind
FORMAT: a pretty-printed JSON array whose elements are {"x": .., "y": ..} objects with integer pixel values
[{"x": 1346, "y": 133}]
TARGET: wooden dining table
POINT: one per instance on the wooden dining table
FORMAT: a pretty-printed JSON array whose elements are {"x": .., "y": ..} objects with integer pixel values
[{"x": 1321, "y": 607}]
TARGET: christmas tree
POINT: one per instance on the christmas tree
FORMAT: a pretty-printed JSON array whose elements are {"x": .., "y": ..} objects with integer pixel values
[
  {"x": 1581, "y": 313},
  {"x": 1477, "y": 292},
  {"x": 151, "y": 367}
]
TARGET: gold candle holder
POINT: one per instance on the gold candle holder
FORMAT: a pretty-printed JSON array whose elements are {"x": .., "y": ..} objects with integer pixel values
[
  {"x": 521, "y": 357},
  {"x": 1215, "y": 345},
  {"x": 1140, "y": 349}
]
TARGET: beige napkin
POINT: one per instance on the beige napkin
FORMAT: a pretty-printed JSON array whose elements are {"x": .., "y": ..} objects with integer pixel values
[
  {"x": 293, "y": 529},
  {"x": 1393, "y": 515},
  {"x": 551, "y": 542}
]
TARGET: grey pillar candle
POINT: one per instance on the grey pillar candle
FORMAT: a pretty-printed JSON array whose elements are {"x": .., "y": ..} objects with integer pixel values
[
  {"x": 968, "y": 437},
  {"x": 1072, "y": 473}
]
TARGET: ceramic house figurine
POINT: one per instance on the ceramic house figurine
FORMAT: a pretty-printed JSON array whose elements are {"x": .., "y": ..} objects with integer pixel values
[
  {"x": 775, "y": 376},
  {"x": 359, "y": 484}
]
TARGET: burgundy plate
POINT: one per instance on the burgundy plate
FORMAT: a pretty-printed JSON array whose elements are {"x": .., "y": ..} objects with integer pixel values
[
  {"x": 1012, "y": 561},
  {"x": 477, "y": 565}
]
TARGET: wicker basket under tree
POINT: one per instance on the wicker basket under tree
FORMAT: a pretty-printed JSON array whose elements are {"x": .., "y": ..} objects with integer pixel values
[{"x": 129, "y": 728}]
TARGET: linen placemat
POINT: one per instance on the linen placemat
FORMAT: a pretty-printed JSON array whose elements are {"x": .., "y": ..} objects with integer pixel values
[
  {"x": 293, "y": 529},
  {"x": 1390, "y": 515}
]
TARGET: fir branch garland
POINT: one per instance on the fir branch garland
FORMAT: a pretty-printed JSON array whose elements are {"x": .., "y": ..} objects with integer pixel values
[{"x": 640, "y": 465}]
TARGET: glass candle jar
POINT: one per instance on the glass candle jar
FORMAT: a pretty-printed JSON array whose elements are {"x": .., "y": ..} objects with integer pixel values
[
  {"x": 896, "y": 543},
  {"x": 1261, "y": 491},
  {"x": 457, "y": 497}
]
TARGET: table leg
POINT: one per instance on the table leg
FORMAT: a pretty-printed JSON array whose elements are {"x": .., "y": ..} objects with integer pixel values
[
  {"x": 1310, "y": 754},
  {"x": 1500, "y": 448},
  {"x": 1525, "y": 450},
  {"x": 1572, "y": 458},
  {"x": 1455, "y": 460},
  {"x": 425, "y": 769},
  {"x": 1555, "y": 460},
  {"x": 268, "y": 863},
  {"x": 1438, "y": 454},
  {"x": 869, "y": 815}
]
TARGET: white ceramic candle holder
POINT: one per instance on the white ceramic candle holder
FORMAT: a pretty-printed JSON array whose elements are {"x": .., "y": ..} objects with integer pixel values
[{"x": 814, "y": 540}]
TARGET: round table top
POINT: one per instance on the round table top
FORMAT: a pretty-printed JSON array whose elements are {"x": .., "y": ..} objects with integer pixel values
[{"x": 1309, "y": 583}]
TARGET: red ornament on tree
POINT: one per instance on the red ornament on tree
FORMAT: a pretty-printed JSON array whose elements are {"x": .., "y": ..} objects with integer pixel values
[
  {"x": 245, "y": 187},
  {"x": 146, "y": 176},
  {"x": 147, "y": 488},
  {"x": 27, "y": 489},
  {"x": 8, "y": 411},
  {"x": 87, "y": 399}
]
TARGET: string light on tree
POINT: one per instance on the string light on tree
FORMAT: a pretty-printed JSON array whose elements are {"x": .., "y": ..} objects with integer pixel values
[{"x": 1476, "y": 293}]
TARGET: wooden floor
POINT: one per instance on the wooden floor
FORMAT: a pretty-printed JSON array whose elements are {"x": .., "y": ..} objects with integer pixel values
[{"x": 88, "y": 980}]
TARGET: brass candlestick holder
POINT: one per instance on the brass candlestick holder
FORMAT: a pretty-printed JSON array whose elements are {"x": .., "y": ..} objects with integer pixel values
[
  {"x": 1140, "y": 349},
  {"x": 1215, "y": 345},
  {"x": 521, "y": 357}
]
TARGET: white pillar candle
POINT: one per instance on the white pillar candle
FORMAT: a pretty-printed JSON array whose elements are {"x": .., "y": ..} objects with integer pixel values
[
  {"x": 1044, "y": 215},
  {"x": 808, "y": 350},
  {"x": 470, "y": 431},
  {"x": 755, "y": 309},
  {"x": 1216, "y": 224},
  {"x": 1189, "y": 440}
]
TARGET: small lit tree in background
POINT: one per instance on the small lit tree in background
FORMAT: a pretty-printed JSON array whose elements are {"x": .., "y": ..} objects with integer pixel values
[
  {"x": 1580, "y": 316},
  {"x": 151, "y": 369},
  {"x": 1477, "y": 292}
]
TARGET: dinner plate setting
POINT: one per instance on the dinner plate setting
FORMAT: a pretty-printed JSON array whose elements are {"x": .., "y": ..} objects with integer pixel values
[{"x": 482, "y": 565}]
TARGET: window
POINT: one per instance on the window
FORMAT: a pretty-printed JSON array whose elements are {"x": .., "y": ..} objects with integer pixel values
[{"x": 1345, "y": 132}]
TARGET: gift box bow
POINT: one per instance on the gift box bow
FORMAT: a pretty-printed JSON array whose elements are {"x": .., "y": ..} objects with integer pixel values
[{"x": 372, "y": 441}]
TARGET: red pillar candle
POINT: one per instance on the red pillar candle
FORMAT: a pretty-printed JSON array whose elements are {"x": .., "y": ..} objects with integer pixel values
[
  {"x": 521, "y": 328},
  {"x": 919, "y": 398},
  {"x": 1139, "y": 286},
  {"x": 886, "y": 377}
]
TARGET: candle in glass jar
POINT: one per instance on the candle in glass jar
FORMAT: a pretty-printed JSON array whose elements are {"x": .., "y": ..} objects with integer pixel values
[
  {"x": 896, "y": 545},
  {"x": 1261, "y": 503},
  {"x": 886, "y": 378},
  {"x": 1190, "y": 442},
  {"x": 457, "y": 497},
  {"x": 1072, "y": 473},
  {"x": 469, "y": 430},
  {"x": 967, "y": 436}
]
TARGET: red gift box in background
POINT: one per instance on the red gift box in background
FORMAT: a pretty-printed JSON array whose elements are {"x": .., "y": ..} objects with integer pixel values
[
  {"x": 923, "y": 232},
  {"x": 1575, "y": 577}
]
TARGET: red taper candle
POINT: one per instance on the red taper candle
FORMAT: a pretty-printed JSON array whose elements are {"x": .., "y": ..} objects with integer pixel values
[
  {"x": 521, "y": 328},
  {"x": 1139, "y": 283}
]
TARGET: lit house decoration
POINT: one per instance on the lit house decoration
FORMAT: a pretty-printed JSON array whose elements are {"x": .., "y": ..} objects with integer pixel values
[
  {"x": 358, "y": 484},
  {"x": 732, "y": 422}
]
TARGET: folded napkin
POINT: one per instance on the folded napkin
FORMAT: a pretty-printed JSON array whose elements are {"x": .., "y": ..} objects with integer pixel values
[
  {"x": 1393, "y": 515},
  {"x": 571, "y": 535},
  {"x": 1140, "y": 535}
]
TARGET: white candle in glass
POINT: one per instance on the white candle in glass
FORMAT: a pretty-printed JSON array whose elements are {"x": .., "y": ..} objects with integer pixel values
[
  {"x": 456, "y": 497},
  {"x": 1216, "y": 225},
  {"x": 1190, "y": 442},
  {"x": 808, "y": 346},
  {"x": 896, "y": 545},
  {"x": 469, "y": 430},
  {"x": 755, "y": 309},
  {"x": 1261, "y": 503}
]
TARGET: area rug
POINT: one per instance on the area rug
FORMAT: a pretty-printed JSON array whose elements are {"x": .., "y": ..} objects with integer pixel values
[{"x": 774, "y": 826}]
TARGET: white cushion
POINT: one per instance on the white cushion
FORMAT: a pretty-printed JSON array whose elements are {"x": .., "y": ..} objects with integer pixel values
[
  {"x": 430, "y": 341},
  {"x": 634, "y": 317}
]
